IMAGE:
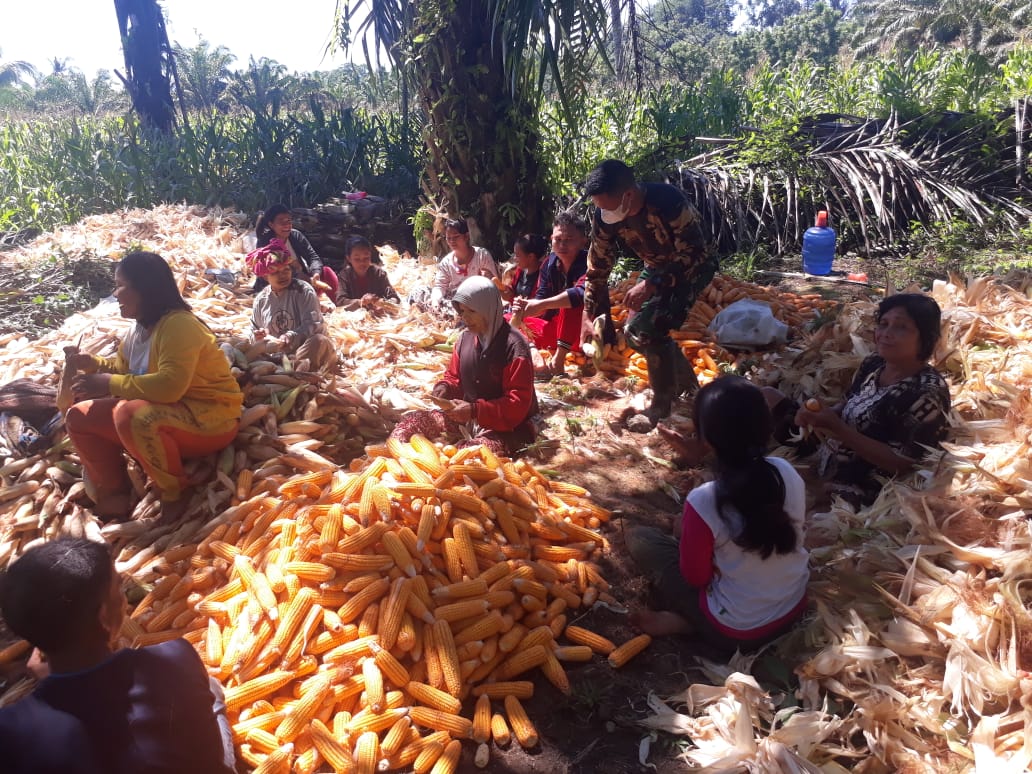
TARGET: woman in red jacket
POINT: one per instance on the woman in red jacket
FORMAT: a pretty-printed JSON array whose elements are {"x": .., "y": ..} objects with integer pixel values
[{"x": 489, "y": 383}]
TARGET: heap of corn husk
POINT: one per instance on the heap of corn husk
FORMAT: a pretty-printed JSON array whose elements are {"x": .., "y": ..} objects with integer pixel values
[{"x": 923, "y": 635}]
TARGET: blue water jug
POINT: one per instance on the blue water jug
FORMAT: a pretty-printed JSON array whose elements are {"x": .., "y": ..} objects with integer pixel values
[{"x": 819, "y": 246}]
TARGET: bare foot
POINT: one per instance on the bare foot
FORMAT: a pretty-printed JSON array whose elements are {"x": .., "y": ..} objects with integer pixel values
[
  {"x": 172, "y": 511},
  {"x": 660, "y": 623},
  {"x": 113, "y": 507},
  {"x": 689, "y": 450}
]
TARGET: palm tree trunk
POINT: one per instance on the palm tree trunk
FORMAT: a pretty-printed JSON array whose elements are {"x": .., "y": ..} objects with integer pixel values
[{"x": 145, "y": 48}]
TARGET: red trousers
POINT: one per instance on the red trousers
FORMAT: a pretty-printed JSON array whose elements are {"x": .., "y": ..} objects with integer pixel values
[
  {"x": 158, "y": 435},
  {"x": 565, "y": 327}
]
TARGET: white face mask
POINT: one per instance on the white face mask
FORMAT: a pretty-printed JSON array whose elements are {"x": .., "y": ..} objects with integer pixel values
[
  {"x": 614, "y": 216},
  {"x": 610, "y": 217}
]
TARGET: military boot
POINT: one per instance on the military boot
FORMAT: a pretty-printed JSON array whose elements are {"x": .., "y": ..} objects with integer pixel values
[
  {"x": 687, "y": 382},
  {"x": 663, "y": 379}
]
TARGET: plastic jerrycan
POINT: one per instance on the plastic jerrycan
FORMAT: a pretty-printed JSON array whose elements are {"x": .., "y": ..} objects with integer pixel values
[{"x": 819, "y": 246}]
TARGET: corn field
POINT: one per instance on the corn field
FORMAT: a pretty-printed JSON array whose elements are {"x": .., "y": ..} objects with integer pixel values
[{"x": 60, "y": 171}]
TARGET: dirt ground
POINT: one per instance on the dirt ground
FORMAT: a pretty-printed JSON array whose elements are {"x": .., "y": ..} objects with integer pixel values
[{"x": 595, "y": 729}]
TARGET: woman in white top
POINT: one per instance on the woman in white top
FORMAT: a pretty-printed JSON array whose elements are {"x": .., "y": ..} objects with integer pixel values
[
  {"x": 737, "y": 576},
  {"x": 462, "y": 262}
]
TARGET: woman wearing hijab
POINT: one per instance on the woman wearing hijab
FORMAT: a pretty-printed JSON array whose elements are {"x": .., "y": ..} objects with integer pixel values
[{"x": 489, "y": 382}]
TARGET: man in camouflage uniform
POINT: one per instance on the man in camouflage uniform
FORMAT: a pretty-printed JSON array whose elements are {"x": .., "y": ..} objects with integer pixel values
[{"x": 658, "y": 224}]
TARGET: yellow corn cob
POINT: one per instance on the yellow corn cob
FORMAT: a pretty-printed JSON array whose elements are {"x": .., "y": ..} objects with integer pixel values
[
  {"x": 457, "y": 611},
  {"x": 396, "y": 548},
  {"x": 427, "y": 523},
  {"x": 449, "y": 759},
  {"x": 305, "y": 709},
  {"x": 168, "y": 614},
  {"x": 262, "y": 741},
  {"x": 494, "y": 487},
  {"x": 332, "y": 526},
  {"x": 500, "y": 730},
  {"x": 277, "y": 762},
  {"x": 213, "y": 644},
  {"x": 490, "y": 649},
  {"x": 464, "y": 546},
  {"x": 415, "y": 605},
  {"x": 447, "y": 655},
  {"x": 303, "y": 638},
  {"x": 540, "y": 635},
  {"x": 373, "y": 685},
  {"x": 510, "y": 639},
  {"x": 573, "y": 653},
  {"x": 255, "y": 644},
  {"x": 294, "y": 616},
  {"x": 452, "y": 563},
  {"x": 351, "y": 651},
  {"x": 482, "y": 719},
  {"x": 557, "y": 553},
  {"x": 353, "y": 608},
  {"x": 367, "y": 753},
  {"x": 469, "y": 650},
  {"x": 463, "y": 501},
  {"x": 396, "y": 737},
  {"x": 367, "y": 721},
  {"x": 557, "y": 626},
  {"x": 155, "y": 638},
  {"x": 596, "y": 642},
  {"x": 522, "y": 660},
  {"x": 241, "y": 695},
  {"x": 243, "y": 484},
  {"x": 427, "y": 454},
  {"x": 433, "y": 697},
  {"x": 391, "y": 668},
  {"x": 628, "y": 650},
  {"x": 407, "y": 634},
  {"x": 223, "y": 550},
  {"x": 414, "y": 472},
  {"x": 328, "y": 640},
  {"x": 258, "y": 584},
  {"x": 359, "y": 562},
  {"x": 525, "y": 732},
  {"x": 162, "y": 588},
  {"x": 369, "y": 621},
  {"x": 532, "y": 604},
  {"x": 393, "y": 612},
  {"x": 475, "y": 587},
  {"x": 528, "y": 586},
  {"x": 456, "y": 725},
  {"x": 483, "y": 628},
  {"x": 555, "y": 673},
  {"x": 476, "y": 473},
  {"x": 338, "y": 756},
  {"x": 565, "y": 592},
  {"x": 522, "y": 689},
  {"x": 427, "y": 757},
  {"x": 266, "y": 721}
]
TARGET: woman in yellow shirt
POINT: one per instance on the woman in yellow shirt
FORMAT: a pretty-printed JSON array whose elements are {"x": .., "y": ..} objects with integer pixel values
[{"x": 166, "y": 395}]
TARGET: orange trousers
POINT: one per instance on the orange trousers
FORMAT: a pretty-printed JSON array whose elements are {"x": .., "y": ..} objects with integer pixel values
[{"x": 158, "y": 435}]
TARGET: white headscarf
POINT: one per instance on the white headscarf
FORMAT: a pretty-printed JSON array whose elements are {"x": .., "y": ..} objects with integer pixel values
[{"x": 481, "y": 295}]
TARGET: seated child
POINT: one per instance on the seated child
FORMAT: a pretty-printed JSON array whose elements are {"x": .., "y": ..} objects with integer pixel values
[
  {"x": 361, "y": 282},
  {"x": 522, "y": 280},
  {"x": 736, "y": 578},
  {"x": 555, "y": 312},
  {"x": 277, "y": 223},
  {"x": 286, "y": 313},
  {"x": 102, "y": 710}
]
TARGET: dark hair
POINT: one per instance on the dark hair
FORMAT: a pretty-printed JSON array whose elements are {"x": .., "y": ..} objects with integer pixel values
[
  {"x": 571, "y": 219},
  {"x": 457, "y": 224},
  {"x": 609, "y": 177},
  {"x": 52, "y": 594},
  {"x": 356, "y": 241},
  {"x": 732, "y": 416},
  {"x": 535, "y": 244},
  {"x": 925, "y": 313},
  {"x": 150, "y": 276},
  {"x": 263, "y": 227}
]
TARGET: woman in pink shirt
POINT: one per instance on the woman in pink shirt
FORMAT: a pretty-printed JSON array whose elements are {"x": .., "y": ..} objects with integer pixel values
[{"x": 735, "y": 573}]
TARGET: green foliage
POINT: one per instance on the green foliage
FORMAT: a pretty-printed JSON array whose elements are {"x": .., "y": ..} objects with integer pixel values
[{"x": 58, "y": 171}]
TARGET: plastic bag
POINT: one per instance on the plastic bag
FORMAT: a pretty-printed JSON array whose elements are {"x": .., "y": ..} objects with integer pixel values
[{"x": 748, "y": 324}]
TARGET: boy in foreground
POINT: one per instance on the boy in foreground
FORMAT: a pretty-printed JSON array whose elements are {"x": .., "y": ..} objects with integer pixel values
[{"x": 101, "y": 710}]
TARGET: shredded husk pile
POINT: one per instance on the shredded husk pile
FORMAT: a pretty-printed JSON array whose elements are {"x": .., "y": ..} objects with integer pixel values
[{"x": 919, "y": 649}]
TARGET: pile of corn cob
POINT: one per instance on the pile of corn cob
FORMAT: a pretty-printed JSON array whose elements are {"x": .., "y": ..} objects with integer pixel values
[
  {"x": 351, "y": 614},
  {"x": 694, "y": 337}
]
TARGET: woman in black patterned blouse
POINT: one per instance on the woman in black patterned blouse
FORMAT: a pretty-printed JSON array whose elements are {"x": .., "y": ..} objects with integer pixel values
[{"x": 896, "y": 406}]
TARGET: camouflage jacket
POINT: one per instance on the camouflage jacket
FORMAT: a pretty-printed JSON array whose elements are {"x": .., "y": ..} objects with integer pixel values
[{"x": 666, "y": 234}]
